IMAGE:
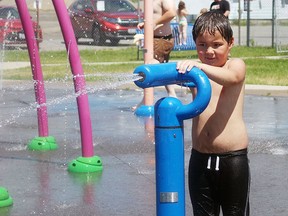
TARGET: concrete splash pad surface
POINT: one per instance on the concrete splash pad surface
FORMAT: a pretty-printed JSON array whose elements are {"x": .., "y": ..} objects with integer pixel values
[{"x": 40, "y": 184}]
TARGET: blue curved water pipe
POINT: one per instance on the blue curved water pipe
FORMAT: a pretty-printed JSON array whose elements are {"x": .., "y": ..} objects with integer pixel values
[{"x": 169, "y": 136}]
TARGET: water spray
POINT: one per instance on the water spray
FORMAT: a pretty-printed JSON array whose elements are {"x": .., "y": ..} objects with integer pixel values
[{"x": 169, "y": 137}]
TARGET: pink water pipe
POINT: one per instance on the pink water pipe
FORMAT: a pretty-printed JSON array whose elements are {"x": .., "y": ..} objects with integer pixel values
[
  {"x": 148, "y": 46},
  {"x": 43, "y": 142},
  {"x": 147, "y": 108},
  {"x": 79, "y": 79},
  {"x": 88, "y": 162},
  {"x": 35, "y": 66}
]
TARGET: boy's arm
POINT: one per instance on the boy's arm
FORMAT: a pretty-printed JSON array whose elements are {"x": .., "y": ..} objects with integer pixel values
[{"x": 232, "y": 73}]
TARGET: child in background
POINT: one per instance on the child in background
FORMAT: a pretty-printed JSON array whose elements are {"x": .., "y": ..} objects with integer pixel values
[
  {"x": 202, "y": 11},
  {"x": 182, "y": 20},
  {"x": 219, "y": 173}
]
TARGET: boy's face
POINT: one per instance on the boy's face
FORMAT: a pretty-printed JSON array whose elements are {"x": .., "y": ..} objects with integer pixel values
[{"x": 213, "y": 49}]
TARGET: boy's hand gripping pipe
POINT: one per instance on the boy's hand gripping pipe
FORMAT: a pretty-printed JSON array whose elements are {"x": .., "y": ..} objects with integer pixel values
[{"x": 169, "y": 136}]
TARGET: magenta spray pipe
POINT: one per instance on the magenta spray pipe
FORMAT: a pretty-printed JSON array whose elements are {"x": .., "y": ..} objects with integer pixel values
[
  {"x": 43, "y": 141},
  {"x": 88, "y": 162},
  {"x": 36, "y": 67}
]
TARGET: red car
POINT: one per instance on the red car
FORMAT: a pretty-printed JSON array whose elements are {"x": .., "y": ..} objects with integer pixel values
[
  {"x": 11, "y": 30},
  {"x": 99, "y": 20}
]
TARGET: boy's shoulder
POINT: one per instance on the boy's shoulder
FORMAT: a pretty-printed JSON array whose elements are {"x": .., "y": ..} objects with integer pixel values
[
  {"x": 237, "y": 65},
  {"x": 235, "y": 61}
]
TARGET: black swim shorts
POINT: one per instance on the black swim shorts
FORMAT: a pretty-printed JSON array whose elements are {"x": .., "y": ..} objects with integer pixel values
[{"x": 219, "y": 180}]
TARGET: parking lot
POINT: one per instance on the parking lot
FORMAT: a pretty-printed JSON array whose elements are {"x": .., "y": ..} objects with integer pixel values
[
  {"x": 260, "y": 35},
  {"x": 53, "y": 40}
]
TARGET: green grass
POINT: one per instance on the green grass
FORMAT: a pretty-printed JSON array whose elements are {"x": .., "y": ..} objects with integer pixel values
[
  {"x": 267, "y": 71},
  {"x": 87, "y": 56},
  {"x": 260, "y": 70},
  {"x": 60, "y": 72}
]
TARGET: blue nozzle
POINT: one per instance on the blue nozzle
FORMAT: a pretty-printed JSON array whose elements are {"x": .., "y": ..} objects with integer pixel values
[
  {"x": 160, "y": 75},
  {"x": 166, "y": 74}
]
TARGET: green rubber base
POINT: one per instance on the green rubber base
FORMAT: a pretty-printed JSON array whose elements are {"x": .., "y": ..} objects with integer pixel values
[
  {"x": 5, "y": 199},
  {"x": 86, "y": 164},
  {"x": 43, "y": 144}
]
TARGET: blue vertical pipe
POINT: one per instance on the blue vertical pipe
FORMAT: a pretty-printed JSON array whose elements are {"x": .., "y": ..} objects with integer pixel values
[
  {"x": 169, "y": 154},
  {"x": 169, "y": 135}
]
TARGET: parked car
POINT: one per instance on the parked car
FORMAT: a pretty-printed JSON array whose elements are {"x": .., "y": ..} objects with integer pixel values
[
  {"x": 11, "y": 30},
  {"x": 104, "y": 19}
]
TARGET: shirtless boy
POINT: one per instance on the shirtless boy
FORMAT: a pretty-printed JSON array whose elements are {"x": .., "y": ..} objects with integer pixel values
[{"x": 219, "y": 168}]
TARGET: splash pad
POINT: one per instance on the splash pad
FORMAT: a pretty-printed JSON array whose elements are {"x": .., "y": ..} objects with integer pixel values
[
  {"x": 126, "y": 145},
  {"x": 128, "y": 156}
]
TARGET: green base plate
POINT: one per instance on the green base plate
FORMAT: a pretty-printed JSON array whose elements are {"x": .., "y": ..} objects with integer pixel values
[
  {"x": 5, "y": 199},
  {"x": 43, "y": 144},
  {"x": 86, "y": 164}
]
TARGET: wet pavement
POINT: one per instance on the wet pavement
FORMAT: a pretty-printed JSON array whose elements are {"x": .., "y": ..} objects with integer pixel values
[{"x": 40, "y": 184}]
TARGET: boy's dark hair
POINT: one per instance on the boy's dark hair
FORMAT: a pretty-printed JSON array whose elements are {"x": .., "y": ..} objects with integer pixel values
[{"x": 211, "y": 22}]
